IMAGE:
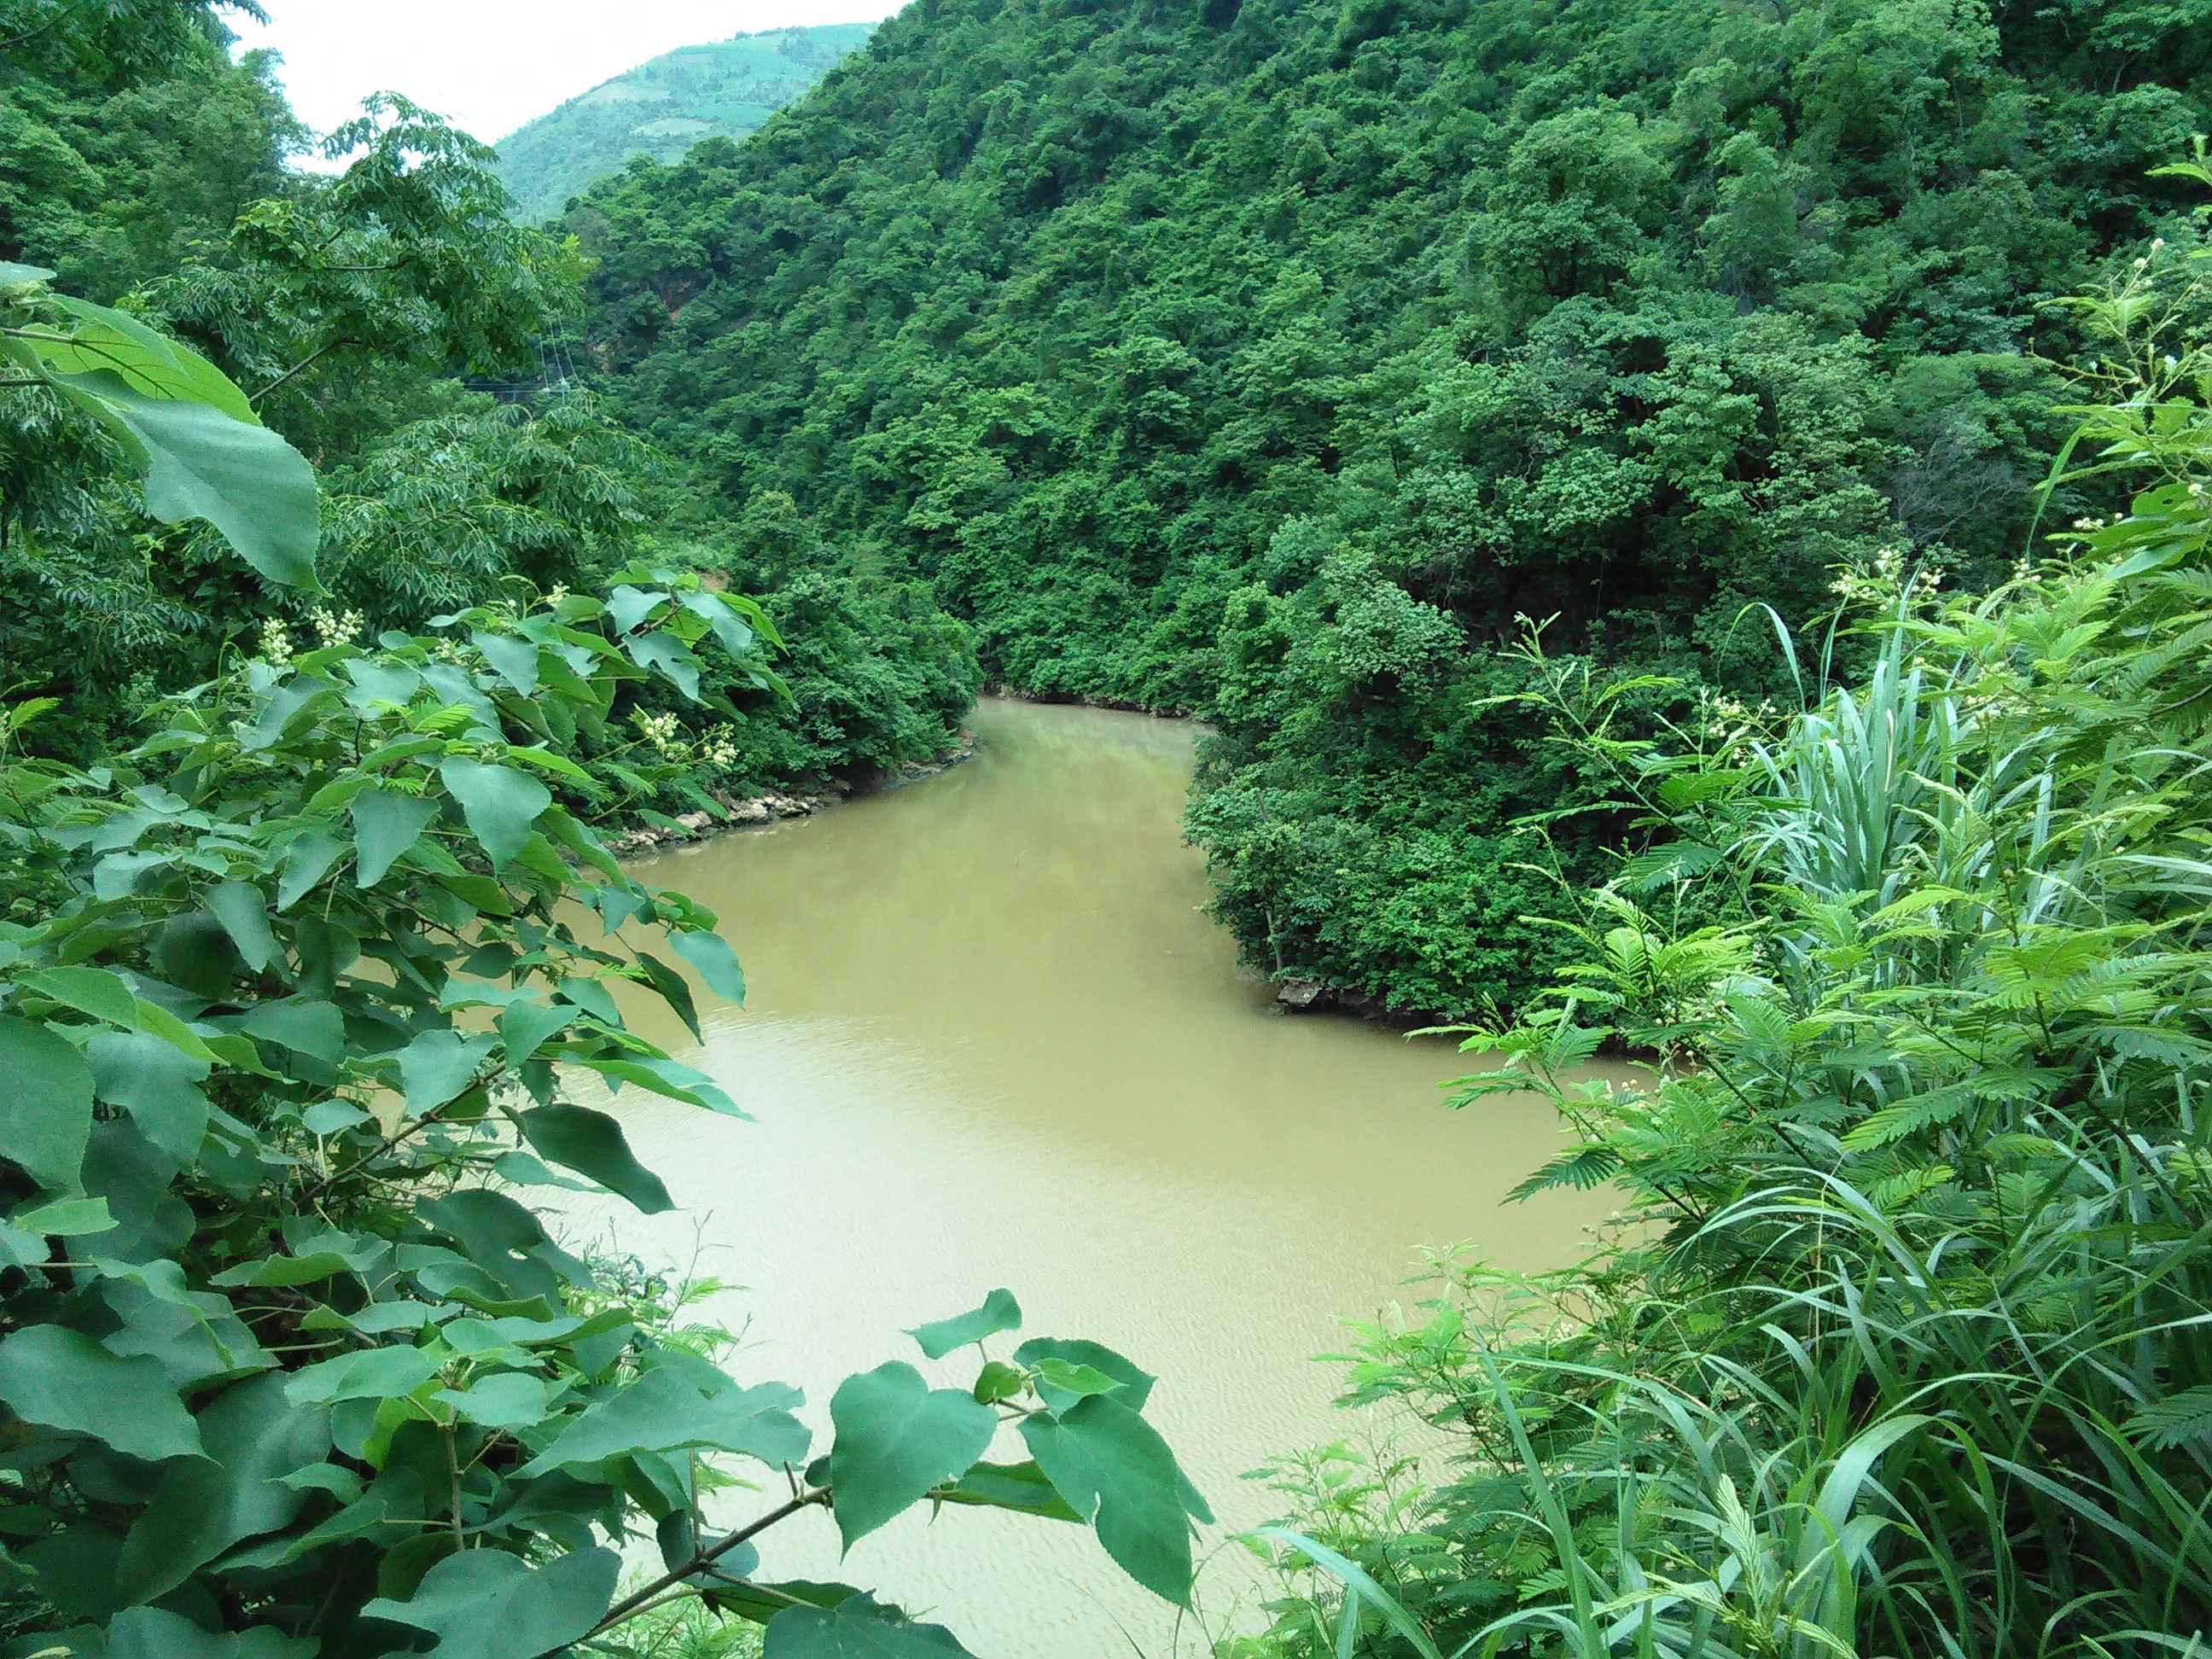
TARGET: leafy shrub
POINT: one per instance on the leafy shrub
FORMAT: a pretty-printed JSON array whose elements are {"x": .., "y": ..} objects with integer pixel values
[
  {"x": 296, "y": 993},
  {"x": 1899, "y": 1348}
]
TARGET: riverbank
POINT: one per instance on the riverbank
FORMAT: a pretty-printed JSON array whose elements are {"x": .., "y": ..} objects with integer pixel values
[{"x": 750, "y": 811}]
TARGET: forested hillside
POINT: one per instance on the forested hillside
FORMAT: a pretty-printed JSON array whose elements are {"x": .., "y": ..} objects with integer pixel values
[
  {"x": 724, "y": 89},
  {"x": 358, "y": 310},
  {"x": 1271, "y": 360}
]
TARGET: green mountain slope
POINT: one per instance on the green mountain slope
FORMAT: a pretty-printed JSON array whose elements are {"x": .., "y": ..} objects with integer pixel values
[
  {"x": 663, "y": 106},
  {"x": 1272, "y": 359}
]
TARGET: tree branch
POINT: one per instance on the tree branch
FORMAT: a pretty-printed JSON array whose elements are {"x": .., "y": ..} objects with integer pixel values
[
  {"x": 631, "y": 1604},
  {"x": 296, "y": 367}
]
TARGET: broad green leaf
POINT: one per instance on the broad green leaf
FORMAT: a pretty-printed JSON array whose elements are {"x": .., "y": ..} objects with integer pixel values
[
  {"x": 762, "y": 1600},
  {"x": 735, "y": 637},
  {"x": 330, "y": 1117},
  {"x": 592, "y": 996},
  {"x": 500, "y": 803},
  {"x": 488, "y": 1604},
  {"x": 243, "y": 909},
  {"x": 46, "y": 1103},
  {"x": 629, "y": 607},
  {"x": 505, "y": 1399},
  {"x": 281, "y": 1271},
  {"x": 1000, "y": 1312},
  {"x": 675, "y": 990},
  {"x": 95, "y": 991},
  {"x": 438, "y": 1064},
  {"x": 365, "y": 1373},
  {"x": 104, "y": 995},
  {"x": 313, "y": 854},
  {"x": 1019, "y": 1486},
  {"x": 592, "y": 1144},
  {"x": 515, "y": 659},
  {"x": 153, "y": 1633},
  {"x": 896, "y": 1439},
  {"x": 197, "y": 462},
  {"x": 498, "y": 1234},
  {"x": 317, "y": 1029},
  {"x": 254, "y": 1438},
  {"x": 194, "y": 951},
  {"x": 710, "y": 953},
  {"x": 147, "y": 361},
  {"x": 157, "y": 1084},
  {"x": 386, "y": 824},
  {"x": 1074, "y": 1381},
  {"x": 668, "y": 1078},
  {"x": 666, "y": 1411},
  {"x": 65, "y": 1217},
  {"x": 1112, "y": 1468},
  {"x": 1136, "y": 1384},
  {"x": 13, "y": 274},
  {"x": 858, "y": 1628},
  {"x": 525, "y": 1026},
  {"x": 661, "y": 652},
  {"x": 62, "y": 1379}
]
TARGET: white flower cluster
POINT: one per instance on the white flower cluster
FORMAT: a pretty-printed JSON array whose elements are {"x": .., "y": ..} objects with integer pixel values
[
  {"x": 275, "y": 642},
  {"x": 1729, "y": 720},
  {"x": 334, "y": 629},
  {"x": 663, "y": 732},
  {"x": 720, "y": 748},
  {"x": 1885, "y": 580},
  {"x": 557, "y": 592}
]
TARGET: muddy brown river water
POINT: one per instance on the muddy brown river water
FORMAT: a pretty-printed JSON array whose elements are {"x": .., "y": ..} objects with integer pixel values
[{"x": 992, "y": 1039}]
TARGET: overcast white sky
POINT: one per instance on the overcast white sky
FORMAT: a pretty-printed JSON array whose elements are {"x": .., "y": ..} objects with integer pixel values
[{"x": 489, "y": 65}]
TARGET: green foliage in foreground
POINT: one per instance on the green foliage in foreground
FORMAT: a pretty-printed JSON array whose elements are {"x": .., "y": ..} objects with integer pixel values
[
  {"x": 1901, "y": 1346},
  {"x": 1268, "y": 358},
  {"x": 724, "y": 89},
  {"x": 302, "y": 995}
]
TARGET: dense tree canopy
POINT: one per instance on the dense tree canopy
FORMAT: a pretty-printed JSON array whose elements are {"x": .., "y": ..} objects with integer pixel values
[{"x": 1271, "y": 359}]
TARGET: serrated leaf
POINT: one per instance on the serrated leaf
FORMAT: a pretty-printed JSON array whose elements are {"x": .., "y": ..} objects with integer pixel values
[
  {"x": 1112, "y": 1468},
  {"x": 896, "y": 1438}
]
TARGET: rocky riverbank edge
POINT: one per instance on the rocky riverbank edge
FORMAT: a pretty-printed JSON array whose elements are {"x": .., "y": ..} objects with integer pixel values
[{"x": 751, "y": 811}]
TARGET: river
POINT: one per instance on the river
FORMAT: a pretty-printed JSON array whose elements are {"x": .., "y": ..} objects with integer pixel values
[{"x": 992, "y": 1039}]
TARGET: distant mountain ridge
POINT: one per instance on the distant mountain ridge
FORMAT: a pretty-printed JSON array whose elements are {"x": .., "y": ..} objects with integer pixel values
[{"x": 663, "y": 106}]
